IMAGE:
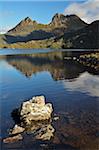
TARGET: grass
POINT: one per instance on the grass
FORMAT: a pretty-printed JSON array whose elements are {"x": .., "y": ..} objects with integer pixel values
[{"x": 48, "y": 43}]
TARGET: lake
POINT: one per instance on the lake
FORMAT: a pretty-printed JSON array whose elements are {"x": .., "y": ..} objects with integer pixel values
[{"x": 71, "y": 87}]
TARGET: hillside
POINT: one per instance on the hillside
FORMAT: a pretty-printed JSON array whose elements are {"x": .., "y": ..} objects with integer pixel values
[{"x": 88, "y": 37}]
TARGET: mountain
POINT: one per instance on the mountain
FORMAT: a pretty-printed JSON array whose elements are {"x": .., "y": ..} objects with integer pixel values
[
  {"x": 62, "y": 32},
  {"x": 59, "y": 21},
  {"x": 25, "y": 27},
  {"x": 25, "y": 24}
]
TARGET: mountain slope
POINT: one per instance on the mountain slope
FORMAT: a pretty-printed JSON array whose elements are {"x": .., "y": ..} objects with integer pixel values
[{"x": 87, "y": 37}]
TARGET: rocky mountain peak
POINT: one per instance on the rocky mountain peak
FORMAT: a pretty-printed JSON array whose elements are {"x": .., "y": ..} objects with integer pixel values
[
  {"x": 57, "y": 15},
  {"x": 68, "y": 21},
  {"x": 27, "y": 21},
  {"x": 57, "y": 19}
]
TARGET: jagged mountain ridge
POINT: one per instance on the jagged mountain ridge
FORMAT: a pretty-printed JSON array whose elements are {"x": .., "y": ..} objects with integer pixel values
[{"x": 70, "y": 22}]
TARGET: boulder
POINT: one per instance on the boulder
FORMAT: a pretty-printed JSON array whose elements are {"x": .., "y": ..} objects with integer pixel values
[{"x": 35, "y": 110}]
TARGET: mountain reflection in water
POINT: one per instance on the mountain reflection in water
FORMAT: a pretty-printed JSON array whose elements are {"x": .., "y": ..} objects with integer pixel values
[
  {"x": 72, "y": 89},
  {"x": 55, "y": 63}
]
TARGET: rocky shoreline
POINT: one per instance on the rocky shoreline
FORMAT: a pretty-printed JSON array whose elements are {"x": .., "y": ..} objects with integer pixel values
[{"x": 90, "y": 60}]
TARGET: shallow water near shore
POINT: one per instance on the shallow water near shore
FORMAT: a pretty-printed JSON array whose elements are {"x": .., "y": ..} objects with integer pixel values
[{"x": 72, "y": 88}]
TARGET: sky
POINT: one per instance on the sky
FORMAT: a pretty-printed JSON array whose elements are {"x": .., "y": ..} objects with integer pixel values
[{"x": 12, "y": 12}]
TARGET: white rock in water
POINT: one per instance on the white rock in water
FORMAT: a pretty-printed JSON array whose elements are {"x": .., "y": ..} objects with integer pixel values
[{"x": 35, "y": 110}]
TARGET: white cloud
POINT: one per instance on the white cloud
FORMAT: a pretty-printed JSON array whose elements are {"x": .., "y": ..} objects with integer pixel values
[
  {"x": 5, "y": 14},
  {"x": 85, "y": 83},
  {"x": 88, "y": 11},
  {"x": 5, "y": 29}
]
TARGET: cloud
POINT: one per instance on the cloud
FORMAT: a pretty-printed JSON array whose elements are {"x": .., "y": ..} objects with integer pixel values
[
  {"x": 4, "y": 16},
  {"x": 88, "y": 11},
  {"x": 5, "y": 29},
  {"x": 85, "y": 83}
]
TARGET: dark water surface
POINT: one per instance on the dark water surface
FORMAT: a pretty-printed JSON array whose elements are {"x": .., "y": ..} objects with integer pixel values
[{"x": 72, "y": 89}]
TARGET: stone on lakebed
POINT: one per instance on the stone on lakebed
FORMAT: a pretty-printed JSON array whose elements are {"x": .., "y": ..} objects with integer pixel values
[
  {"x": 35, "y": 109},
  {"x": 13, "y": 139},
  {"x": 16, "y": 130}
]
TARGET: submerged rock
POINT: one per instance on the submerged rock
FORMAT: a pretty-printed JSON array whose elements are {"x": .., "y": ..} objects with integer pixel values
[
  {"x": 13, "y": 139},
  {"x": 35, "y": 110},
  {"x": 16, "y": 130},
  {"x": 41, "y": 130},
  {"x": 56, "y": 118},
  {"x": 45, "y": 133}
]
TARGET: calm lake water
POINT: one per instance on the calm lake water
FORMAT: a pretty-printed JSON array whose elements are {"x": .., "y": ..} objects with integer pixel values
[{"x": 72, "y": 88}]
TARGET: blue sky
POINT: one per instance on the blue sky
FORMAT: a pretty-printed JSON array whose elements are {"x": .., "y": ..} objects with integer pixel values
[
  {"x": 40, "y": 11},
  {"x": 12, "y": 12}
]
